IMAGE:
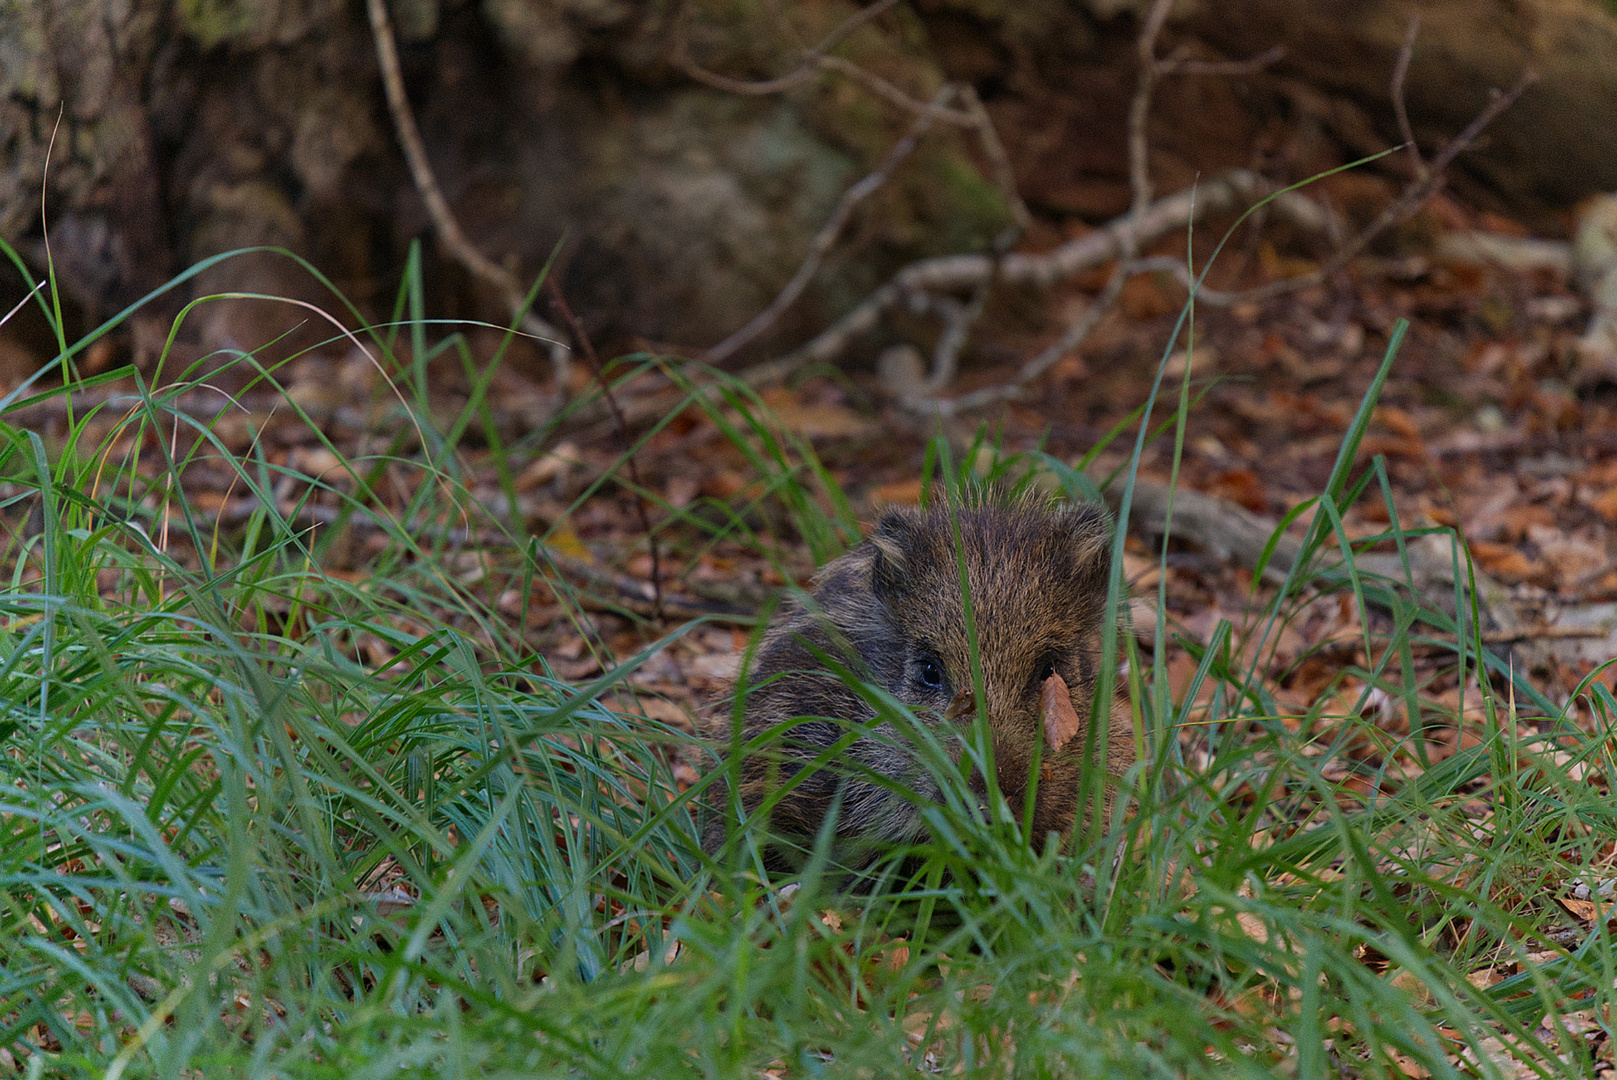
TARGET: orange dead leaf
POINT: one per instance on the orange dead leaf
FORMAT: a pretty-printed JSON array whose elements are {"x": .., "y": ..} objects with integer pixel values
[
  {"x": 1060, "y": 719},
  {"x": 1241, "y": 486},
  {"x": 1503, "y": 561},
  {"x": 1605, "y": 504},
  {"x": 1397, "y": 421},
  {"x": 818, "y": 421}
]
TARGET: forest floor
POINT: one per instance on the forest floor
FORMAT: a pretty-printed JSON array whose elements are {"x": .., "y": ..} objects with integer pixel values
[
  {"x": 567, "y": 556},
  {"x": 1486, "y": 424}
]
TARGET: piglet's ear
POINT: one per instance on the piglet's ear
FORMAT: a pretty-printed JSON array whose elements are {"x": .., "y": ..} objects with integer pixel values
[
  {"x": 896, "y": 540},
  {"x": 1090, "y": 528}
]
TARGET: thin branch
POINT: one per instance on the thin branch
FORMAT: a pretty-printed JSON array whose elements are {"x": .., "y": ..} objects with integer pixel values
[
  {"x": 998, "y": 160},
  {"x": 1140, "y": 107},
  {"x": 443, "y": 219},
  {"x": 583, "y": 340},
  {"x": 826, "y": 237},
  {"x": 852, "y": 23},
  {"x": 789, "y": 81},
  {"x": 1226, "y": 68},
  {"x": 1151, "y": 69},
  {"x": 893, "y": 95},
  {"x": 1405, "y": 205},
  {"x": 815, "y": 60},
  {"x": 1075, "y": 333},
  {"x": 958, "y": 319},
  {"x": 1400, "y": 72}
]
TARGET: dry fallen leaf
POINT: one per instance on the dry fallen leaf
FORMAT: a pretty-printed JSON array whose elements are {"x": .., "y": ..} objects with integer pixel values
[
  {"x": 1060, "y": 719},
  {"x": 819, "y": 420},
  {"x": 1503, "y": 561},
  {"x": 963, "y": 704},
  {"x": 1570, "y": 556}
]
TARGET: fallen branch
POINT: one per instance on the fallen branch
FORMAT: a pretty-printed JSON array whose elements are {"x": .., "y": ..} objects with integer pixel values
[
  {"x": 1232, "y": 190},
  {"x": 922, "y": 283},
  {"x": 1231, "y": 533},
  {"x": 639, "y": 488},
  {"x": 1400, "y": 72}
]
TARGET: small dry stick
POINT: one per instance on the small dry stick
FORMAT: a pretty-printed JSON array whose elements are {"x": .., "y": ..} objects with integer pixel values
[
  {"x": 1544, "y": 633},
  {"x": 1400, "y": 72},
  {"x": 1174, "y": 65},
  {"x": 998, "y": 159},
  {"x": 594, "y": 362},
  {"x": 443, "y": 219},
  {"x": 1151, "y": 69},
  {"x": 1070, "y": 339},
  {"x": 958, "y": 319},
  {"x": 1140, "y": 108},
  {"x": 815, "y": 60},
  {"x": 1405, "y": 205}
]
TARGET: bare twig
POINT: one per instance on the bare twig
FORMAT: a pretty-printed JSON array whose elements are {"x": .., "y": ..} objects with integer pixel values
[
  {"x": 1127, "y": 244},
  {"x": 972, "y": 115},
  {"x": 1405, "y": 205},
  {"x": 1180, "y": 66},
  {"x": 893, "y": 95},
  {"x": 1140, "y": 107},
  {"x": 1075, "y": 333},
  {"x": 814, "y": 59},
  {"x": 443, "y": 219},
  {"x": 583, "y": 340},
  {"x": 1542, "y": 633},
  {"x": 825, "y": 238},
  {"x": 958, "y": 319},
  {"x": 998, "y": 160},
  {"x": 1400, "y": 72}
]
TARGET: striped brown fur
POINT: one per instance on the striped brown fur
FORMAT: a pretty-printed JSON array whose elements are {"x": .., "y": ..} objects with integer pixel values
[{"x": 892, "y": 611}]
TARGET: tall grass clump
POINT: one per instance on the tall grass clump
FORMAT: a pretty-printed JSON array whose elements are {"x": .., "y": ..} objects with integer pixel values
[{"x": 263, "y": 816}]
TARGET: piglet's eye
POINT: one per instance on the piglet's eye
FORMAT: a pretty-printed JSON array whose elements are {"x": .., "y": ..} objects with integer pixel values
[
  {"x": 931, "y": 672},
  {"x": 1047, "y": 668}
]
